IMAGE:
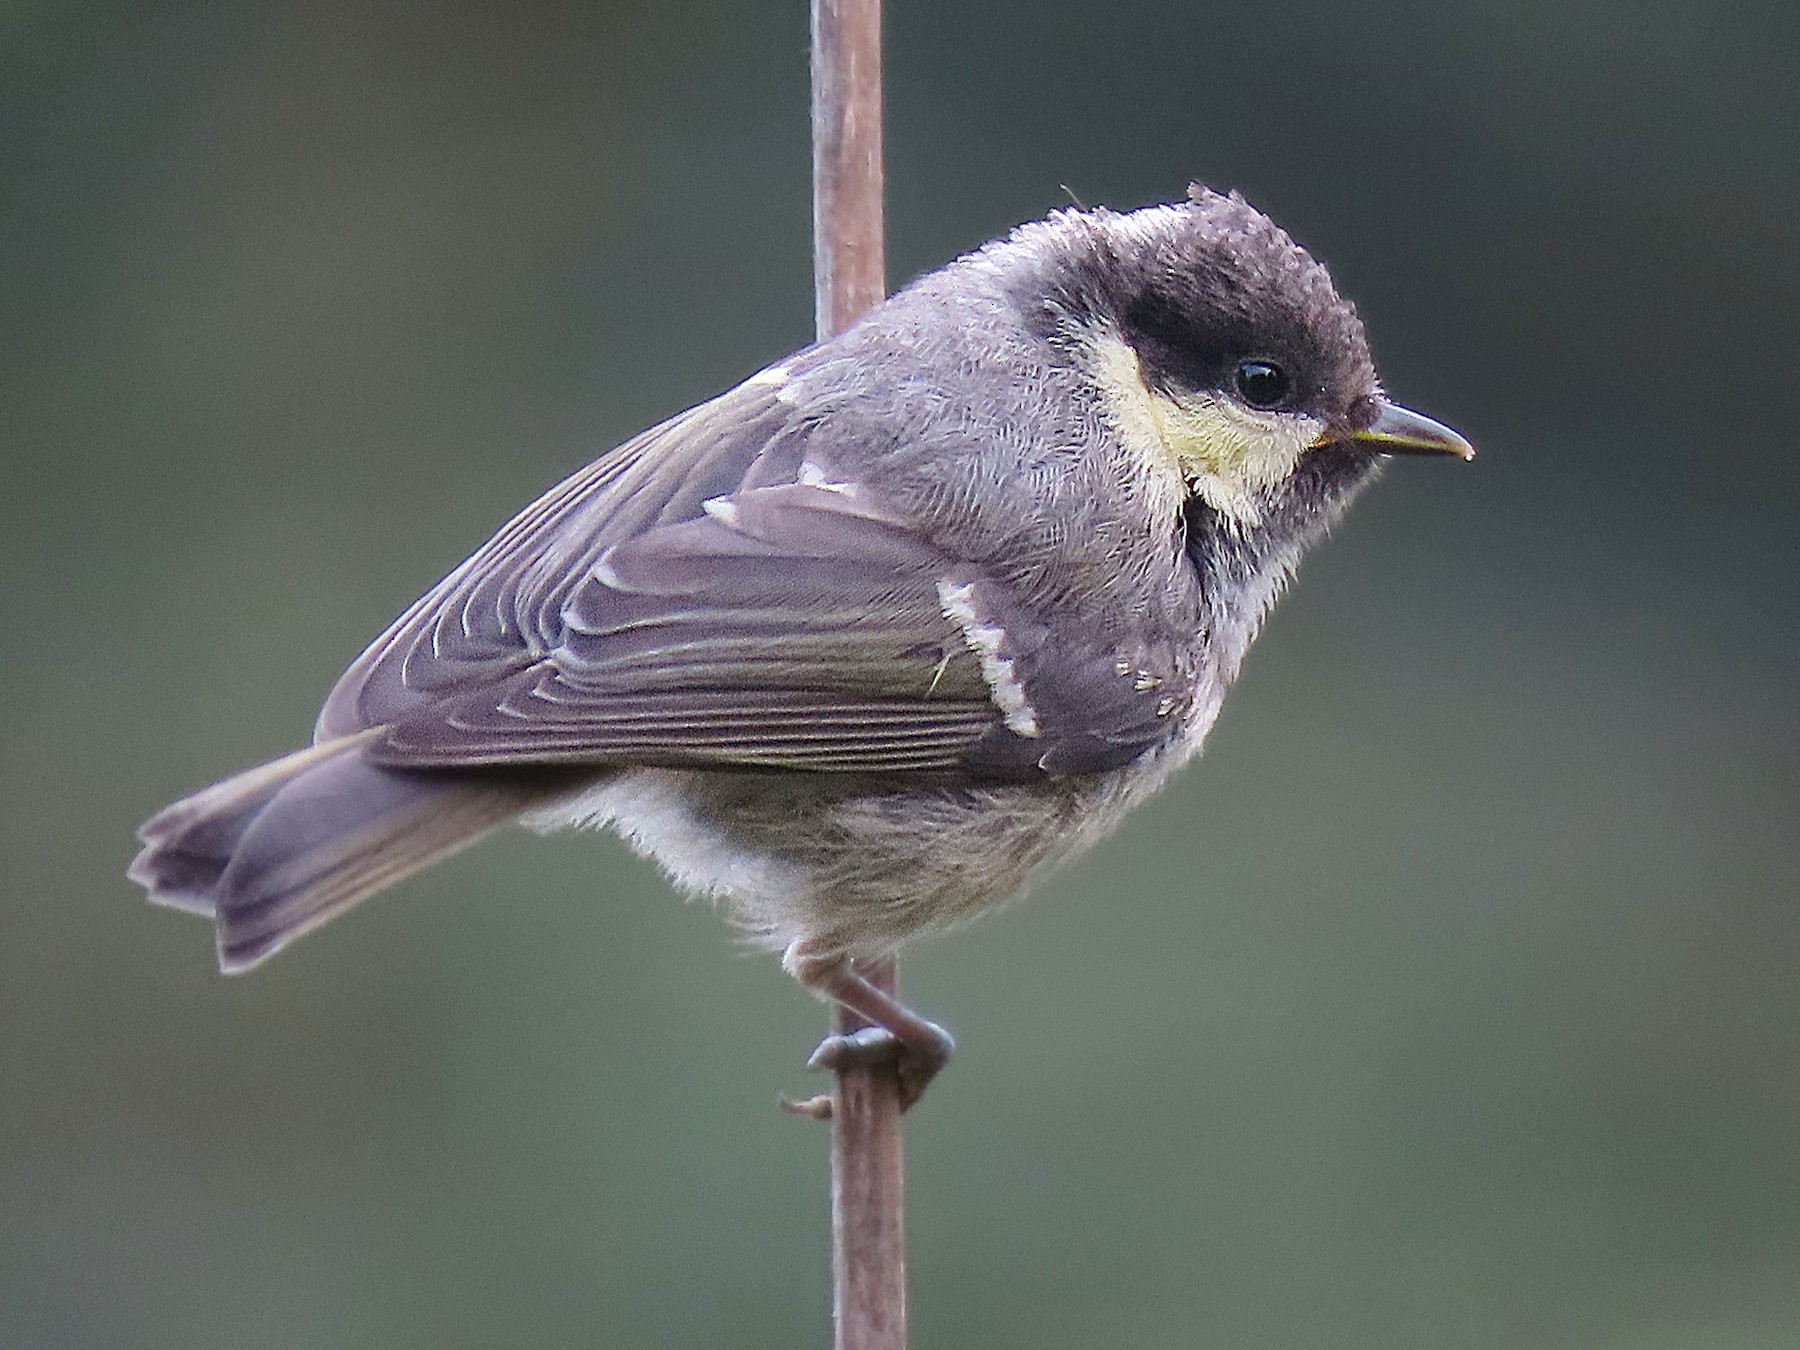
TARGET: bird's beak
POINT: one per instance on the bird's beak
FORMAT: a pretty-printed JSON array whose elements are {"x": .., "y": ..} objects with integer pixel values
[{"x": 1401, "y": 431}]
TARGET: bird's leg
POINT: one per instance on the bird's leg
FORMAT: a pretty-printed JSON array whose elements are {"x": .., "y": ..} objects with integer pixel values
[{"x": 916, "y": 1048}]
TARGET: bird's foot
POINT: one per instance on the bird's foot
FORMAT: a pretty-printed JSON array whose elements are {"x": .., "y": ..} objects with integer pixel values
[
  {"x": 915, "y": 1062},
  {"x": 911, "y": 1048}
]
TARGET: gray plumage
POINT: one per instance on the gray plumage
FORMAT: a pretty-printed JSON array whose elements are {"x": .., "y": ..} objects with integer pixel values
[{"x": 863, "y": 645}]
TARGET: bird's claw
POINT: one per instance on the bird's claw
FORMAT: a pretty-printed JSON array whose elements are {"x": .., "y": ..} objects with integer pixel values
[
  {"x": 914, "y": 1062},
  {"x": 866, "y": 1048},
  {"x": 813, "y": 1108}
]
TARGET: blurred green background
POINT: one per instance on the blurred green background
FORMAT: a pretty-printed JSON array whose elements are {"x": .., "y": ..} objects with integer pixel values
[{"x": 1450, "y": 1002}]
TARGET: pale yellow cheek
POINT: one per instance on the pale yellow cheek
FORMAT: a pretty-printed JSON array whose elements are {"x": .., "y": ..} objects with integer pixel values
[
  {"x": 1231, "y": 455},
  {"x": 1225, "y": 454},
  {"x": 1132, "y": 413}
]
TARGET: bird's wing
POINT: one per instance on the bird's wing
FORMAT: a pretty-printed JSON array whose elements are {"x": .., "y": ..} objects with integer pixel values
[{"x": 711, "y": 594}]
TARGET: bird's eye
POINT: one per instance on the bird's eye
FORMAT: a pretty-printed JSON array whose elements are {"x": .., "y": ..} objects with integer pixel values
[{"x": 1261, "y": 385}]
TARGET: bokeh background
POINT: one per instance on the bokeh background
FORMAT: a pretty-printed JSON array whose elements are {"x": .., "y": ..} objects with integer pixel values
[{"x": 1451, "y": 1001}]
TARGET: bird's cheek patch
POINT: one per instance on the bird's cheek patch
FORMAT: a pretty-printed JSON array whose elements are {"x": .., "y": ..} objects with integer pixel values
[
  {"x": 1130, "y": 409},
  {"x": 1226, "y": 454},
  {"x": 1230, "y": 455}
]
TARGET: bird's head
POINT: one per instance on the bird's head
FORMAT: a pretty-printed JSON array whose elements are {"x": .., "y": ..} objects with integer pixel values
[{"x": 1224, "y": 352}]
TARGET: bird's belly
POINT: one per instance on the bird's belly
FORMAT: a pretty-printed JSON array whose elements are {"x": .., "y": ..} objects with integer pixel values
[{"x": 854, "y": 863}]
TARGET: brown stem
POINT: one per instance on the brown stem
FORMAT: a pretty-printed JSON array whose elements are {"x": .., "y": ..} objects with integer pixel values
[
  {"x": 868, "y": 1172},
  {"x": 849, "y": 243},
  {"x": 868, "y": 1198}
]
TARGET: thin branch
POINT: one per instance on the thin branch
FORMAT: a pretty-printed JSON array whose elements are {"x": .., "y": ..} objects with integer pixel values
[
  {"x": 868, "y": 1171},
  {"x": 868, "y": 1200},
  {"x": 849, "y": 241}
]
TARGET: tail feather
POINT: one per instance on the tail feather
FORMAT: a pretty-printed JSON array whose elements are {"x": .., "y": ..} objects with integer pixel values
[
  {"x": 188, "y": 844},
  {"x": 275, "y": 852}
]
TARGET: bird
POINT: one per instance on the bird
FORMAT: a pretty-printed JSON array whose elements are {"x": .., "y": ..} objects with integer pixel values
[{"x": 875, "y": 639}]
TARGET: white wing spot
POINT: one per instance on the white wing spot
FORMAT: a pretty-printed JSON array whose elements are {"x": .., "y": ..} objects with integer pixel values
[
  {"x": 812, "y": 476},
  {"x": 721, "y": 509},
  {"x": 772, "y": 375},
  {"x": 985, "y": 640}
]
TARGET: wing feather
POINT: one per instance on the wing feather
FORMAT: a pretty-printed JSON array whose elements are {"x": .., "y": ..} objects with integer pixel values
[{"x": 713, "y": 593}]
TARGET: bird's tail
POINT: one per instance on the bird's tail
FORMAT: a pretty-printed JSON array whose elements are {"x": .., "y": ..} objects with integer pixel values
[{"x": 275, "y": 852}]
